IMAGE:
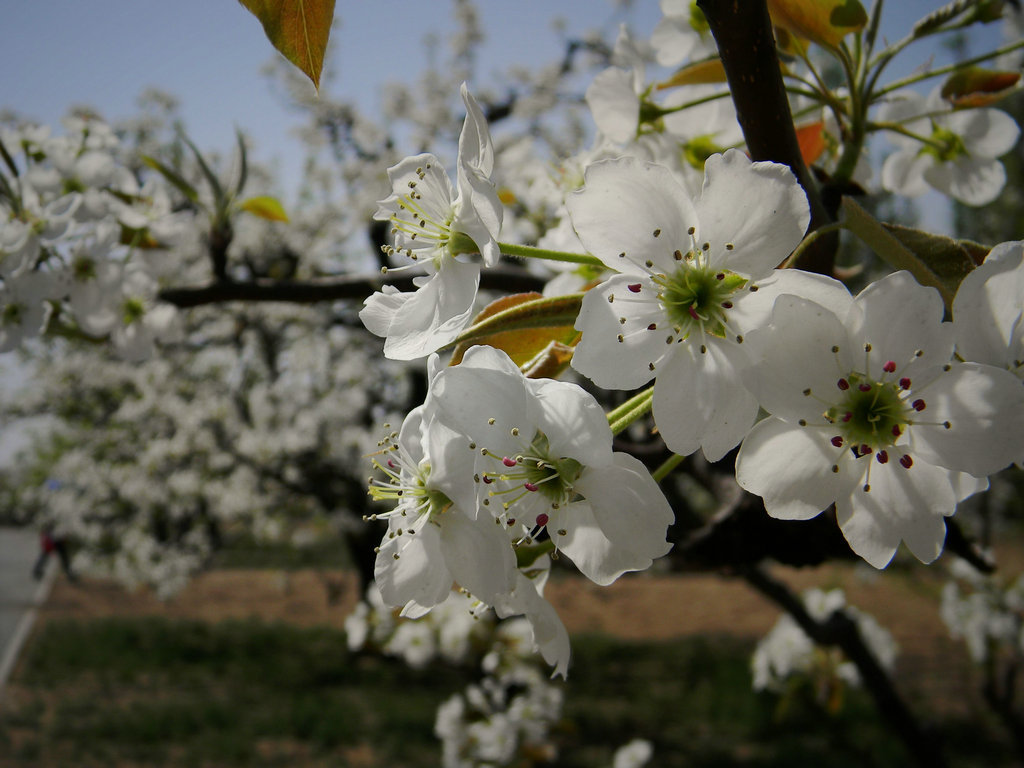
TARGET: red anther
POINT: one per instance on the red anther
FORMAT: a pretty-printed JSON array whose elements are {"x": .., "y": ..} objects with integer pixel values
[
  {"x": 634, "y": 287},
  {"x": 918, "y": 405},
  {"x": 542, "y": 519},
  {"x": 864, "y": 387},
  {"x": 510, "y": 521},
  {"x": 391, "y": 464},
  {"x": 906, "y": 462},
  {"x": 487, "y": 479},
  {"x": 530, "y": 486},
  {"x": 904, "y": 383},
  {"x": 865, "y": 450},
  {"x": 837, "y": 441},
  {"x": 882, "y": 457},
  {"x": 720, "y": 276},
  {"x": 843, "y": 384},
  {"x": 508, "y": 462},
  {"x": 693, "y": 312},
  {"x": 727, "y": 304},
  {"x": 652, "y": 327},
  {"x": 846, "y": 417},
  {"x": 889, "y": 367},
  {"x": 896, "y": 432}
]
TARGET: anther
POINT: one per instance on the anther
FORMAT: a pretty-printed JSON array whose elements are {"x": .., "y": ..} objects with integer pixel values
[
  {"x": 864, "y": 387},
  {"x": 656, "y": 232},
  {"x": 530, "y": 486},
  {"x": 890, "y": 366},
  {"x": 807, "y": 392},
  {"x": 843, "y": 384},
  {"x": 542, "y": 519},
  {"x": 906, "y": 462},
  {"x": 882, "y": 457},
  {"x": 634, "y": 287},
  {"x": 508, "y": 462},
  {"x": 904, "y": 383},
  {"x": 918, "y": 405},
  {"x": 837, "y": 441}
]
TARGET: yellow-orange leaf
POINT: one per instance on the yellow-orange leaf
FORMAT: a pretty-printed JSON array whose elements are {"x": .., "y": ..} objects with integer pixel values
[
  {"x": 708, "y": 71},
  {"x": 540, "y": 332},
  {"x": 977, "y": 87},
  {"x": 298, "y": 29},
  {"x": 825, "y": 22},
  {"x": 264, "y": 206},
  {"x": 811, "y": 139}
]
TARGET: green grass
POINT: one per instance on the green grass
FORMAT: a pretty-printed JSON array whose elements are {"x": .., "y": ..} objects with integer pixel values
[{"x": 159, "y": 693}]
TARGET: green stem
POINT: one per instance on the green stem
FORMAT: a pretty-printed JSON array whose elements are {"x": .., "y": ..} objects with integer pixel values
[
  {"x": 662, "y": 111},
  {"x": 667, "y": 466},
  {"x": 635, "y": 408},
  {"x": 531, "y": 252},
  {"x": 806, "y": 243},
  {"x": 903, "y": 83}
]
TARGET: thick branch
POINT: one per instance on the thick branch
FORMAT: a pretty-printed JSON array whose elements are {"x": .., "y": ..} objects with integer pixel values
[
  {"x": 330, "y": 289},
  {"x": 840, "y": 630},
  {"x": 743, "y": 31}
]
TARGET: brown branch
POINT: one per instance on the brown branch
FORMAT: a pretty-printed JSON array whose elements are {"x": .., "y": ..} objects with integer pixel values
[
  {"x": 345, "y": 287},
  {"x": 743, "y": 31},
  {"x": 841, "y": 630}
]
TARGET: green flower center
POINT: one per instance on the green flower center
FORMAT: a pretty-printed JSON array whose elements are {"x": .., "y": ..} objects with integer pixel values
[
  {"x": 944, "y": 145},
  {"x": 871, "y": 413},
  {"x": 697, "y": 298},
  {"x": 535, "y": 471}
]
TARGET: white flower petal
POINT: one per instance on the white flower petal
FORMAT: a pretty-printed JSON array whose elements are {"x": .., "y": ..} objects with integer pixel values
[
  {"x": 622, "y": 204},
  {"x": 790, "y": 467},
  {"x": 599, "y": 321},
  {"x": 758, "y": 207}
]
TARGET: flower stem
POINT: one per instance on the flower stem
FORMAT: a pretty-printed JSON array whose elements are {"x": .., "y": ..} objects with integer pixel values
[
  {"x": 904, "y": 82},
  {"x": 530, "y": 252},
  {"x": 806, "y": 242},
  {"x": 667, "y": 466},
  {"x": 635, "y": 408}
]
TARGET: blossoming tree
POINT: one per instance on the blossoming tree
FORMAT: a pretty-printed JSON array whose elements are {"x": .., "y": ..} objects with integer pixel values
[{"x": 693, "y": 323}]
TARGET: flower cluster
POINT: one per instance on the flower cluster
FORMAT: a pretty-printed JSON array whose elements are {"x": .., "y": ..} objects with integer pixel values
[
  {"x": 494, "y": 466},
  {"x": 76, "y": 228},
  {"x": 787, "y": 653}
]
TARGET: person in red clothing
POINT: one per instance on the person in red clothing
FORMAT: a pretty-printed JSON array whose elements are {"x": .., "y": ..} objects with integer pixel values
[{"x": 50, "y": 542}]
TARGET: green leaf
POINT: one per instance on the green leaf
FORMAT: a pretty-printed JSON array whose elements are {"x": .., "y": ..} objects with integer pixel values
[
  {"x": 524, "y": 325},
  {"x": 173, "y": 177},
  {"x": 935, "y": 260},
  {"x": 264, "y": 206},
  {"x": 825, "y": 22},
  {"x": 298, "y": 29},
  {"x": 211, "y": 177}
]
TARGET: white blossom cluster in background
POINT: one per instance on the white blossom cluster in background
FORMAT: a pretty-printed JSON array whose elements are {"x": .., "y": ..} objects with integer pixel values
[
  {"x": 986, "y": 614},
  {"x": 786, "y": 653},
  {"x": 505, "y": 716}
]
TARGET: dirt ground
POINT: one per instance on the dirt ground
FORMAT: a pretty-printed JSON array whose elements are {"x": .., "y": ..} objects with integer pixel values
[{"x": 931, "y": 667}]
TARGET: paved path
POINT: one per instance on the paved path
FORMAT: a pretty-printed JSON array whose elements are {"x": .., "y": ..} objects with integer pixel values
[{"x": 20, "y": 594}]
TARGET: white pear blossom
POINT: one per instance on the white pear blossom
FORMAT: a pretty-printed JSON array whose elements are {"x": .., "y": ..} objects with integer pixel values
[
  {"x": 682, "y": 33},
  {"x": 542, "y": 459},
  {"x": 956, "y": 151},
  {"x": 988, "y": 311},
  {"x": 434, "y": 536},
  {"x": 25, "y": 308},
  {"x": 869, "y": 412},
  {"x": 434, "y": 225},
  {"x": 787, "y": 650},
  {"x": 695, "y": 276}
]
